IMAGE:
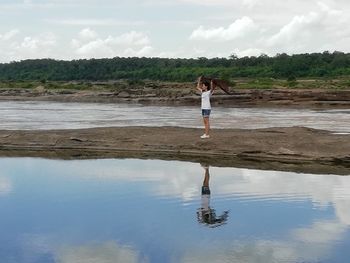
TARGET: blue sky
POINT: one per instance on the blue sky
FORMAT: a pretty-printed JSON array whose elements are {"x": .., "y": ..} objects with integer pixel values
[{"x": 72, "y": 29}]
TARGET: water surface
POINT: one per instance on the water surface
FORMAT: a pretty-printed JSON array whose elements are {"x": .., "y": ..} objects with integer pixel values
[
  {"x": 154, "y": 211},
  {"x": 53, "y": 115}
]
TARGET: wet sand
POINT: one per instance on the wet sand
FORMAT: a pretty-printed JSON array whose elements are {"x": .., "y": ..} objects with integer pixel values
[{"x": 293, "y": 149}]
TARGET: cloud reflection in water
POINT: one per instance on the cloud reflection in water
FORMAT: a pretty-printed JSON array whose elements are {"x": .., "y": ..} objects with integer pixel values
[{"x": 177, "y": 185}]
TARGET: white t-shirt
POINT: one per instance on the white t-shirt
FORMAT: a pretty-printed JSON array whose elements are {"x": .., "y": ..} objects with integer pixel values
[
  {"x": 205, "y": 201},
  {"x": 206, "y": 100}
]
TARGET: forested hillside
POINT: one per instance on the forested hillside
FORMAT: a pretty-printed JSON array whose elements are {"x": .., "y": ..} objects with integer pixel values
[{"x": 313, "y": 65}]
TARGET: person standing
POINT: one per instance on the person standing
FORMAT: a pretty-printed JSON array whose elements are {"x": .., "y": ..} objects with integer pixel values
[
  {"x": 206, "y": 88},
  {"x": 207, "y": 215}
]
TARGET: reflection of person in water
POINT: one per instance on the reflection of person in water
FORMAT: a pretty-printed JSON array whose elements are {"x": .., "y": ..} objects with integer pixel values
[{"x": 205, "y": 214}]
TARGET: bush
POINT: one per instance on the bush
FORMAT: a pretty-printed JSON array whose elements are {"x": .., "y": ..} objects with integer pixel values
[{"x": 291, "y": 78}]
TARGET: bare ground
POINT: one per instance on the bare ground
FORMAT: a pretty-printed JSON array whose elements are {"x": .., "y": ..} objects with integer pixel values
[{"x": 293, "y": 149}]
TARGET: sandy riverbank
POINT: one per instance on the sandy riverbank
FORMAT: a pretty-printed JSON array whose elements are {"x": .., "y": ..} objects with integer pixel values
[{"x": 296, "y": 148}]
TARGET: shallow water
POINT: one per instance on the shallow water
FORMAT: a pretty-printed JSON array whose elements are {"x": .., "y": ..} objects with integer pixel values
[
  {"x": 53, "y": 115},
  {"x": 153, "y": 211}
]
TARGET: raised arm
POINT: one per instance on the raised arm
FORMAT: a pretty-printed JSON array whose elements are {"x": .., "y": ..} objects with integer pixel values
[
  {"x": 199, "y": 82},
  {"x": 212, "y": 86}
]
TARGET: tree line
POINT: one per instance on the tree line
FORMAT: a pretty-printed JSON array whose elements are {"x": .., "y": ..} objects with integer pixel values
[{"x": 324, "y": 64}]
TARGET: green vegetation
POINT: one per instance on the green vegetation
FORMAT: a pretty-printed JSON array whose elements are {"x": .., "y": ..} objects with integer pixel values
[
  {"x": 161, "y": 87},
  {"x": 263, "y": 69}
]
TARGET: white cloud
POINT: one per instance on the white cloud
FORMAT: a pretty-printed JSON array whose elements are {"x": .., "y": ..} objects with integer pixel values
[
  {"x": 168, "y": 54},
  {"x": 40, "y": 43},
  {"x": 108, "y": 252},
  {"x": 16, "y": 47},
  {"x": 5, "y": 186},
  {"x": 320, "y": 232},
  {"x": 248, "y": 52},
  {"x": 342, "y": 208},
  {"x": 36, "y": 245},
  {"x": 303, "y": 31},
  {"x": 238, "y": 29},
  {"x": 259, "y": 26},
  {"x": 184, "y": 181},
  {"x": 9, "y": 35},
  {"x": 131, "y": 38},
  {"x": 250, "y": 3},
  {"x": 145, "y": 51},
  {"x": 95, "y": 48},
  {"x": 87, "y": 33},
  {"x": 75, "y": 43},
  {"x": 132, "y": 43},
  {"x": 307, "y": 31},
  {"x": 309, "y": 244}
]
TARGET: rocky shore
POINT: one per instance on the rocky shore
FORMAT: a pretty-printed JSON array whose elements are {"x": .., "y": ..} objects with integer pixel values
[
  {"x": 186, "y": 95},
  {"x": 292, "y": 149}
]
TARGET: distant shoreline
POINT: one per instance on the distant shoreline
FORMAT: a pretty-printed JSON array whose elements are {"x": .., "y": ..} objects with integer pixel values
[{"x": 185, "y": 95}]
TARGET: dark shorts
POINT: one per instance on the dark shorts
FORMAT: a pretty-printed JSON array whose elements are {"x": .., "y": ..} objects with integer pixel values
[
  {"x": 205, "y": 190},
  {"x": 206, "y": 113}
]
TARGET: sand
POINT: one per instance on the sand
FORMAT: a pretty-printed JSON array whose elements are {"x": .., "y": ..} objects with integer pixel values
[{"x": 293, "y": 149}]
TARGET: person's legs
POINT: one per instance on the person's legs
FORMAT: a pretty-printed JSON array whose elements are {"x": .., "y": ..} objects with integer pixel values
[
  {"x": 205, "y": 186},
  {"x": 206, "y": 177},
  {"x": 206, "y": 125},
  {"x": 206, "y": 114}
]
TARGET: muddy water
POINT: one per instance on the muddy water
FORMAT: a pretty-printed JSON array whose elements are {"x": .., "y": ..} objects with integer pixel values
[
  {"x": 52, "y": 115},
  {"x": 157, "y": 211}
]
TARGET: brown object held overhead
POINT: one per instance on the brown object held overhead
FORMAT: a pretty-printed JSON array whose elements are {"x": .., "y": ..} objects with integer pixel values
[{"x": 222, "y": 84}]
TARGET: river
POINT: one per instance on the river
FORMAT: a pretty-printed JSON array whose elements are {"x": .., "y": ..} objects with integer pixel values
[
  {"x": 131, "y": 210},
  {"x": 54, "y": 115}
]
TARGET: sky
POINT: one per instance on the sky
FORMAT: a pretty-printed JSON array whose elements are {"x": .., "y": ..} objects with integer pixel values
[{"x": 75, "y": 29}]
